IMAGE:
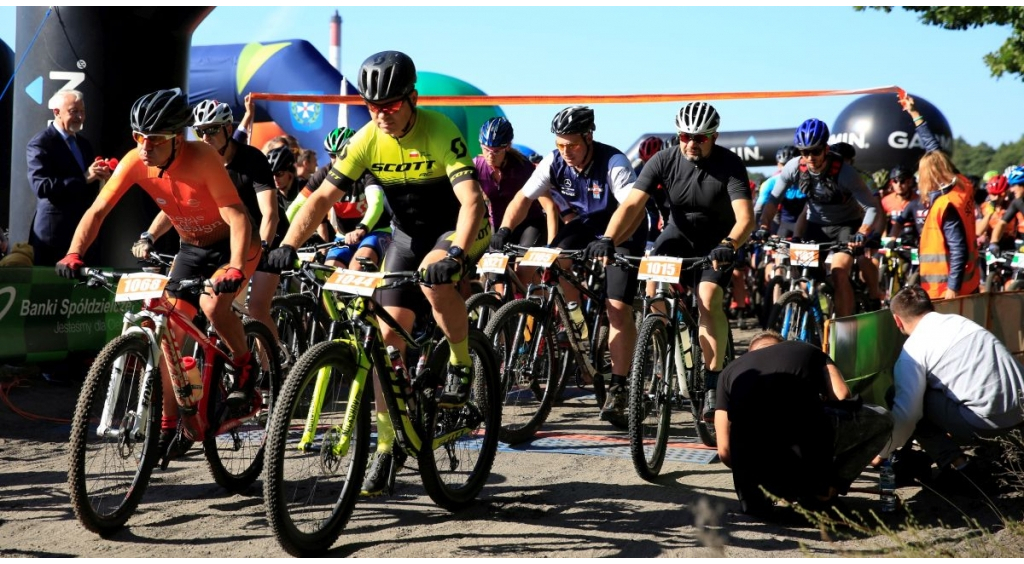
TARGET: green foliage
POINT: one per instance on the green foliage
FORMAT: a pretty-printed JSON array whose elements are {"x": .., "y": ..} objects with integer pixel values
[
  {"x": 978, "y": 159},
  {"x": 1008, "y": 59}
]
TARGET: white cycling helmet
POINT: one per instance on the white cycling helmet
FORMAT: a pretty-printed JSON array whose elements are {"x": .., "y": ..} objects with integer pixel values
[
  {"x": 697, "y": 118},
  {"x": 211, "y": 112}
]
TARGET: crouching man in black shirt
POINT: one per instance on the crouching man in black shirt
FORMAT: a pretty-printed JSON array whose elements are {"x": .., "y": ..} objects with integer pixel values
[{"x": 786, "y": 421}]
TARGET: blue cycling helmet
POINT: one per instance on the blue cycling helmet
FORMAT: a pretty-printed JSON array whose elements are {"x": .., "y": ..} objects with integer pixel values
[
  {"x": 496, "y": 132},
  {"x": 1016, "y": 176},
  {"x": 811, "y": 133}
]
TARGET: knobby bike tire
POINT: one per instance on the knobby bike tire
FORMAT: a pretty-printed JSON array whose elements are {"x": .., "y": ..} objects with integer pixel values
[
  {"x": 105, "y": 498},
  {"x": 695, "y": 384},
  {"x": 291, "y": 325},
  {"x": 528, "y": 369},
  {"x": 482, "y": 308},
  {"x": 309, "y": 494},
  {"x": 457, "y": 470},
  {"x": 651, "y": 380},
  {"x": 235, "y": 457},
  {"x": 794, "y": 304}
]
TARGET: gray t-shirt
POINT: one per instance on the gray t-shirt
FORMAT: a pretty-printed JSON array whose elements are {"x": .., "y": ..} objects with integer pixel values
[{"x": 851, "y": 201}]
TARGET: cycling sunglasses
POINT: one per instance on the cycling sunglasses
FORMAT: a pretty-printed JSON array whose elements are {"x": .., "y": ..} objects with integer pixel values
[
  {"x": 387, "y": 108},
  {"x": 698, "y": 139},
  {"x": 209, "y": 130},
  {"x": 155, "y": 139},
  {"x": 816, "y": 152}
]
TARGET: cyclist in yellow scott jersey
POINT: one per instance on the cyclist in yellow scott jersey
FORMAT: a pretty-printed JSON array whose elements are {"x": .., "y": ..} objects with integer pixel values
[{"x": 441, "y": 228}]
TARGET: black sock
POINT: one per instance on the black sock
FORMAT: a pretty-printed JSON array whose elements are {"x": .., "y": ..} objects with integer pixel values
[
  {"x": 711, "y": 379},
  {"x": 618, "y": 380}
]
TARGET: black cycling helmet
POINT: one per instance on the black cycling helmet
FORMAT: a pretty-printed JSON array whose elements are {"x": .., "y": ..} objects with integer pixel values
[
  {"x": 900, "y": 172},
  {"x": 844, "y": 150},
  {"x": 786, "y": 154},
  {"x": 161, "y": 111},
  {"x": 574, "y": 119},
  {"x": 280, "y": 159},
  {"x": 388, "y": 75}
]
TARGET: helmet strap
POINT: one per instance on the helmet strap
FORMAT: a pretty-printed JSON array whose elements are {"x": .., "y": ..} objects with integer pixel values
[
  {"x": 412, "y": 118},
  {"x": 170, "y": 159}
]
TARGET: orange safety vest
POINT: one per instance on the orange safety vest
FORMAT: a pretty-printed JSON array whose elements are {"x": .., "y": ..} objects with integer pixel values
[{"x": 933, "y": 254}]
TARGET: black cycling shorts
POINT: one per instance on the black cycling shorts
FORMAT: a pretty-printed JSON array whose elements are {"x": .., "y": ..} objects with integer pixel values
[
  {"x": 674, "y": 243},
  {"x": 621, "y": 282},
  {"x": 193, "y": 261},
  {"x": 406, "y": 253},
  {"x": 842, "y": 233}
]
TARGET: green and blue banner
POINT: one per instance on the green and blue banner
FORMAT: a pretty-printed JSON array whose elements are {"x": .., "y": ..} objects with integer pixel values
[{"x": 44, "y": 317}]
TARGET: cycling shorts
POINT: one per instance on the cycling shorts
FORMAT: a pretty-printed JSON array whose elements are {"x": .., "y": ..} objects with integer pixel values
[
  {"x": 376, "y": 240},
  {"x": 673, "y": 243},
  {"x": 208, "y": 262},
  {"x": 406, "y": 253},
  {"x": 620, "y": 282},
  {"x": 842, "y": 233}
]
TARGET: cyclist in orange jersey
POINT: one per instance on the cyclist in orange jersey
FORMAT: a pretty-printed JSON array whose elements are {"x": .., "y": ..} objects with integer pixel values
[{"x": 187, "y": 180}]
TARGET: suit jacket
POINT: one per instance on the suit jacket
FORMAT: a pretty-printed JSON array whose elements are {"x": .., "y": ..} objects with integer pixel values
[{"x": 61, "y": 191}]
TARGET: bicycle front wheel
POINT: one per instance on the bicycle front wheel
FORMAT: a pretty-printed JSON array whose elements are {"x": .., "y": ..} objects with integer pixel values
[
  {"x": 290, "y": 324},
  {"x": 481, "y": 308},
  {"x": 314, "y": 470},
  {"x": 525, "y": 351},
  {"x": 111, "y": 459},
  {"x": 235, "y": 456},
  {"x": 793, "y": 318},
  {"x": 650, "y": 396},
  {"x": 465, "y": 439}
]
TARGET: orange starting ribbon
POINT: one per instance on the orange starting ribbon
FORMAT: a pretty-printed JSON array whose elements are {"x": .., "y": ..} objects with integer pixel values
[{"x": 579, "y": 99}]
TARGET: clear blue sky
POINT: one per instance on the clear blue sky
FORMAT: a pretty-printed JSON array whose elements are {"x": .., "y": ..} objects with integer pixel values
[{"x": 661, "y": 50}]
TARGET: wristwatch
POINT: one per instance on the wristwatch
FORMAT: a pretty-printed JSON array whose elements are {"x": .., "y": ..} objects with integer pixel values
[
  {"x": 363, "y": 227},
  {"x": 456, "y": 253},
  {"x": 147, "y": 236},
  {"x": 730, "y": 241}
]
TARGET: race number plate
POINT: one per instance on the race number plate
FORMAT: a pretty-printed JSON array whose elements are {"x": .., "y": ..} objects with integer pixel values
[
  {"x": 661, "y": 269},
  {"x": 354, "y": 282},
  {"x": 540, "y": 256},
  {"x": 140, "y": 286},
  {"x": 804, "y": 254},
  {"x": 913, "y": 257},
  {"x": 1018, "y": 260},
  {"x": 492, "y": 262}
]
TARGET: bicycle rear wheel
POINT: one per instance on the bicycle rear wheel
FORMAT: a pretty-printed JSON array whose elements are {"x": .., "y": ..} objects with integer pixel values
[
  {"x": 481, "y": 308},
  {"x": 109, "y": 473},
  {"x": 291, "y": 326},
  {"x": 651, "y": 380},
  {"x": 235, "y": 456},
  {"x": 524, "y": 348},
  {"x": 696, "y": 386},
  {"x": 466, "y": 438},
  {"x": 310, "y": 488}
]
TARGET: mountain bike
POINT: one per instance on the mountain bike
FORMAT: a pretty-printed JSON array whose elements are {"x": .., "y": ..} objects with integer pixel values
[
  {"x": 319, "y": 435},
  {"x": 668, "y": 364},
  {"x": 483, "y": 305},
  {"x": 899, "y": 266},
  {"x": 532, "y": 338},
  {"x": 116, "y": 425},
  {"x": 1005, "y": 272}
]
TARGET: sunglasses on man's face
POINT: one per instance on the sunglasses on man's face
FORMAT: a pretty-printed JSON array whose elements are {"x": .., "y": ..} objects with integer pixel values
[
  {"x": 386, "y": 108},
  {"x": 154, "y": 139},
  {"x": 210, "y": 130},
  {"x": 698, "y": 139},
  {"x": 816, "y": 152}
]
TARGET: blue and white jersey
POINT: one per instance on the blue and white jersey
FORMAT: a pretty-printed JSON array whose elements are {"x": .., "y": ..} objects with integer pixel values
[{"x": 593, "y": 193}]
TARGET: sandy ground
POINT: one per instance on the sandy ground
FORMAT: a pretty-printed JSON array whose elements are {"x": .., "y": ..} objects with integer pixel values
[{"x": 535, "y": 504}]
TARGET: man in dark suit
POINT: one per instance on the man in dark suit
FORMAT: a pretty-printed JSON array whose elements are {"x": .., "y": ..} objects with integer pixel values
[{"x": 63, "y": 176}]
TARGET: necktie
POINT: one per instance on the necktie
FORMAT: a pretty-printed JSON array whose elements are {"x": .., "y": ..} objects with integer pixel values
[{"x": 73, "y": 145}]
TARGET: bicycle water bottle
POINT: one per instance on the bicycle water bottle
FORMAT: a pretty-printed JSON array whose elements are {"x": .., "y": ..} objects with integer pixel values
[
  {"x": 576, "y": 314},
  {"x": 398, "y": 364},
  {"x": 887, "y": 486},
  {"x": 194, "y": 378}
]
